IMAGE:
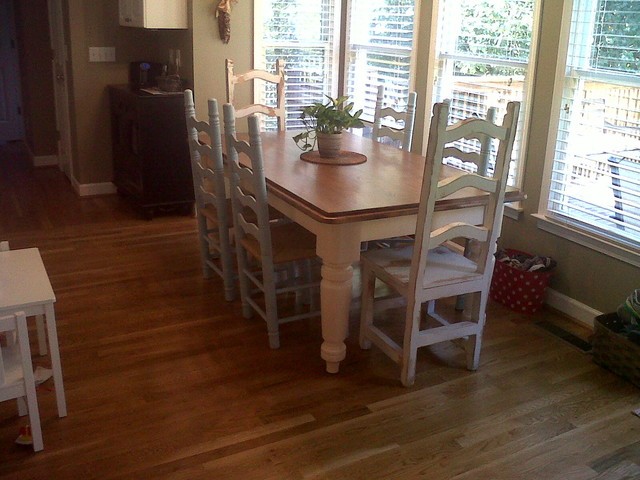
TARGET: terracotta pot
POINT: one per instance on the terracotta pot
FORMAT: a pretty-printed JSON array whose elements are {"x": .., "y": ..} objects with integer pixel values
[{"x": 329, "y": 144}]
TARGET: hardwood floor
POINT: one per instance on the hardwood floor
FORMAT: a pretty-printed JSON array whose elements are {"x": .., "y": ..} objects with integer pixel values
[{"x": 165, "y": 380}]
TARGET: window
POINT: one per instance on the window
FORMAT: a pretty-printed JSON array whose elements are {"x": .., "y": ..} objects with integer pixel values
[
  {"x": 595, "y": 176},
  {"x": 483, "y": 55},
  {"x": 306, "y": 34},
  {"x": 378, "y": 52}
]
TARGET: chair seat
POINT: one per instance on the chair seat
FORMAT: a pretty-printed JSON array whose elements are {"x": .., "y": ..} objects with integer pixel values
[
  {"x": 289, "y": 242},
  {"x": 444, "y": 266},
  {"x": 210, "y": 212}
]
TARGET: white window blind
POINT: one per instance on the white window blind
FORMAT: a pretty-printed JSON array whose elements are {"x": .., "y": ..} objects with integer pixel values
[
  {"x": 595, "y": 179},
  {"x": 483, "y": 56},
  {"x": 378, "y": 52},
  {"x": 305, "y": 35}
]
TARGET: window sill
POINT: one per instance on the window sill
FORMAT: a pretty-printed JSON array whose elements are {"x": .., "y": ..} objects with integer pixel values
[
  {"x": 513, "y": 211},
  {"x": 611, "y": 249}
]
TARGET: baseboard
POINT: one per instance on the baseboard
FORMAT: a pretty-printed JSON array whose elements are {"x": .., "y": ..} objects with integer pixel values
[
  {"x": 92, "y": 189},
  {"x": 572, "y": 308},
  {"x": 44, "y": 160}
]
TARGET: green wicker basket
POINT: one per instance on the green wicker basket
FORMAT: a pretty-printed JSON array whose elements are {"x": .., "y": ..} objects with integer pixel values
[{"x": 613, "y": 350}]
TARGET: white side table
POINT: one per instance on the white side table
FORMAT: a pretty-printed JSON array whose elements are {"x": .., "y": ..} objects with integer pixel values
[{"x": 25, "y": 286}]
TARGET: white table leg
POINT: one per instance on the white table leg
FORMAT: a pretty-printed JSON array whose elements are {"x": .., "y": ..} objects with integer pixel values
[
  {"x": 56, "y": 366},
  {"x": 42, "y": 337},
  {"x": 339, "y": 248}
]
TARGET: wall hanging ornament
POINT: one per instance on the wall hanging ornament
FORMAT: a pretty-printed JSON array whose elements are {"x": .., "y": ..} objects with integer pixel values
[{"x": 223, "y": 13}]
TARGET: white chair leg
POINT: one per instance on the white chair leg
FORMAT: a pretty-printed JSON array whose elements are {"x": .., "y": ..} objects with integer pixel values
[
  {"x": 409, "y": 345},
  {"x": 368, "y": 280},
  {"x": 271, "y": 307},
  {"x": 204, "y": 246},
  {"x": 34, "y": 416},
  {"x": 22, "y": 406},
  {"x": 245, "y": 291},
  {"x": 473, "y": 344},
  {"x": 42, "y": 335}
]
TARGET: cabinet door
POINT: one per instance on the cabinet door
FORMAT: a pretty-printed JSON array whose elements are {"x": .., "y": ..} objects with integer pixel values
[
  {"x": 131, "y": 13},
  {"x": 154, "y": 13}
]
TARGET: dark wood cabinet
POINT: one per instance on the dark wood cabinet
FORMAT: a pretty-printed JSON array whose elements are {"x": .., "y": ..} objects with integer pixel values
[{"x": 151, "y": 160}]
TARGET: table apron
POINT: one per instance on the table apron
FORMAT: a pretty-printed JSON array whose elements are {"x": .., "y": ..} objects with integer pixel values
[{"x": 29, "y": 310}]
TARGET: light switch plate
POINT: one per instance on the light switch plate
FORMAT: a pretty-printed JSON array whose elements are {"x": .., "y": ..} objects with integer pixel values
[{"x": 102, "y": 54}]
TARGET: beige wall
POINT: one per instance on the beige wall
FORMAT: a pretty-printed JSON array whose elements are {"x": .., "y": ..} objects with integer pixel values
[{"x": 209, "y": 53}]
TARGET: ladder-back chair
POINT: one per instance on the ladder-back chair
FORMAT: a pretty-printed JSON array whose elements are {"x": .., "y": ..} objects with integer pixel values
[
  {"x": 382, "y": 132},
  {"x": 263, "y": 246},
  {"x": 435, "y": 267},
  {"x": 213, "y": 209},
  {"x": 234, "y": 80}
]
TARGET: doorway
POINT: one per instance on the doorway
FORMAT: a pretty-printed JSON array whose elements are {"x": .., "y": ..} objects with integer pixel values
[{"x": 11, "y": 118}]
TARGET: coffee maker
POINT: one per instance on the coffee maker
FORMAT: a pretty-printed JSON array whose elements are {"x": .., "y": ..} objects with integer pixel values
[{"x": 143, "y": 74}]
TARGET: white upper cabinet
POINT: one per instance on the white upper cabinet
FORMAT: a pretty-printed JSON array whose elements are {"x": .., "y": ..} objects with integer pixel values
[{"x": 153, "y": 13}]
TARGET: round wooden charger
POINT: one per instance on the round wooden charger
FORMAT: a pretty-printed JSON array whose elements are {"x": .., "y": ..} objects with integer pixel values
[{"x": 343, "y": 158}]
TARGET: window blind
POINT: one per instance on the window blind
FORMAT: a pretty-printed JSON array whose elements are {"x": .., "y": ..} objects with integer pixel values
[
  {"x": 305, "y": 35},
  {"x": 595, "y": 178},
  {"x": 378, "y": 52},
  {"x": 483, "y": 57}
]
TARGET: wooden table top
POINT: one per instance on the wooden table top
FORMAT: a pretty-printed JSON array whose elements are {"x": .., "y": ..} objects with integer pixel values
[{"x": 387, "y": 185}]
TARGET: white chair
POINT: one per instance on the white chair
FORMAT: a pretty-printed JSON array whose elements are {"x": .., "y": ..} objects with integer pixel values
[
  {"x": 277, "y": 79},
  {"x": 399, "y": 136},
  {"x": 16, "y": 373},
  {"x": 263, "y": 246},
  {"x": 434, "y": 267},
  {"x": 40, "y": 328},
  {"x": 213, "y": 209}
]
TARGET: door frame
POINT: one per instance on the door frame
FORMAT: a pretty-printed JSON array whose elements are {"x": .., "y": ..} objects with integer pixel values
[{"x": 60, "y": 75}]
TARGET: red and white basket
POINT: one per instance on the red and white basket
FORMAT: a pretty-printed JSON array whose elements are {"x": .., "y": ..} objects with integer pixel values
[{"x": 519, "y": 290}]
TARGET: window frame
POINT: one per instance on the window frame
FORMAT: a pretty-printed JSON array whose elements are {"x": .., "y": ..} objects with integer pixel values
[{"x": 524, "y": 122}]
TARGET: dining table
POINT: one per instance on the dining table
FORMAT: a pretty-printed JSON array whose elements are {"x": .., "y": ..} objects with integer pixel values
[{"x": 347, "y": 204}]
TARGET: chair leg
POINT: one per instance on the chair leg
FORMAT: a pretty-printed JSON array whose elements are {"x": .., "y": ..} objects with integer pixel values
[
  {"x": 410, "y": 344},
  {"x": 226, "y": 261},
  {"x": 241, "y": 254},
  {"x": 22, "y": 406},
  {"x": 204, "y": 246},
  {"x": 42, "y": 335},
  {"x": 478, "y": 303},
  {"x": 271, "y": 306},
  {"x": 368, "y": 280}
]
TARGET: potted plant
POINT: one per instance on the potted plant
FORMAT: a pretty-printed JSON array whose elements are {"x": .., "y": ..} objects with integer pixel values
[{"x": 325, "y": 122}]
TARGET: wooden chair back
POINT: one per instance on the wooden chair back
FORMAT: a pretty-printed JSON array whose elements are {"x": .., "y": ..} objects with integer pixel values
[
  {"x": 385, "y": 133},
  {"x": 481, "y": 158},
  {"x": 484, "y": 235},
  {"x": 208, "y": 172},
  {"x": 234, "y": 80},
  {"x": 248, "y": 186}
]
